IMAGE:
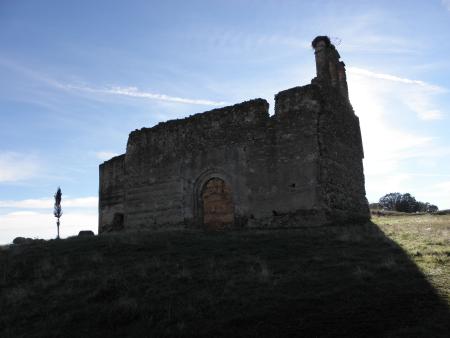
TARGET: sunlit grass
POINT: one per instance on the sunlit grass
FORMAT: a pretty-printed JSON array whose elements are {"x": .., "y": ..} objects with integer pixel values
[{"x": 426, "y": 239}]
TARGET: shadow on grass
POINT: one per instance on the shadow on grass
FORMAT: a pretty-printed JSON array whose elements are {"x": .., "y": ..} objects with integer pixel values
[{"x": 315, "y": 282}]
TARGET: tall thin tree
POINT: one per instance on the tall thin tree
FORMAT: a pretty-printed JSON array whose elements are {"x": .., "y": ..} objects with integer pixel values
[{"x": 57, "y": 211}]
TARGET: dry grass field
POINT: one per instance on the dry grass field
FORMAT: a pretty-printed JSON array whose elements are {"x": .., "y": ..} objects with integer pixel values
[
  {"x": 388, "y": 278},
  {"x": 426, "y": 240}
]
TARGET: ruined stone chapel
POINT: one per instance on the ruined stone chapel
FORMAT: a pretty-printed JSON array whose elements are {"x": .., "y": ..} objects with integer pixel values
[{"x": 238, "y": 167}]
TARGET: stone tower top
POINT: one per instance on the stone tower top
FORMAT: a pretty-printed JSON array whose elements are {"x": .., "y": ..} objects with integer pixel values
[{"x": 330, "y": 71}]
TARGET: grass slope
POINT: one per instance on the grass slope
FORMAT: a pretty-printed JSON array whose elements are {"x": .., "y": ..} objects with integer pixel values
[{"x": 349, "y": 281}]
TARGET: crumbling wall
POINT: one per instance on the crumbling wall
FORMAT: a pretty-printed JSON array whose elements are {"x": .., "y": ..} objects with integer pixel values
[
  {"x": 295, "y": 178},
  {"x": 112, "y": 194},
  {"x": 168, "y": 164},
  {"x": 341, "y": 174},
  {"x": 341, "y": 153},
  {"x": 302, "y": 166}
]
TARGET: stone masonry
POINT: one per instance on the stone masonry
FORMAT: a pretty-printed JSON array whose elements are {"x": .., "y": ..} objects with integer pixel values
[{"x": 237, "y": 166}]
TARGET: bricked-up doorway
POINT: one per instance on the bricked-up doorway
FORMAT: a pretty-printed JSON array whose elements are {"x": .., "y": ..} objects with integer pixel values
[{"x": 218, "y": 208}]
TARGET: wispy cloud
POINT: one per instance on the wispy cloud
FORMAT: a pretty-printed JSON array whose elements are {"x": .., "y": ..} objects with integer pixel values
[
  {"x": 135, "y": 92},
  {"x": 394, "y": 78},
  {"x": 17, "y": 167},
  {"x": 423, "y": 107},
  {"x": 437, "y": 193},
  {"x": 46, "y": 203},
  {"x": 417, "y": 96},
  {"x": 390, "y": 149},
  {"x": 129, "y": 91},
  {"x": 444, "y": 186},
  {"x": 446, "y": 4}
]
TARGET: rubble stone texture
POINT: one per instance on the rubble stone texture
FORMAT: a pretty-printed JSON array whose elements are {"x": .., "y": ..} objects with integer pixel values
[{"x": 237, "y": 166}]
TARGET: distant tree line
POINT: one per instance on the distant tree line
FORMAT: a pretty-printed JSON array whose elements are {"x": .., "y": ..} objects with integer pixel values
[{"x": 405, "y": 203}]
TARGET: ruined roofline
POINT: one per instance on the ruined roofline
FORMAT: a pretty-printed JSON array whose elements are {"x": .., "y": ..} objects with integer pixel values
[
  {"x": 330, "y": 72},
  {"x": 294, "y": 93},
  {"x": 113, "y": 159},
  {"x": 242, "y": 109},
  {"x": 330, "y": 77},
  {"x": 294, "y": 90},
  {"x": 243, "y": 112}
]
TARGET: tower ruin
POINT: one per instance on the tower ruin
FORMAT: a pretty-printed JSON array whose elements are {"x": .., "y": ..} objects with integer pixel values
[{"x": 238, "y": 166}]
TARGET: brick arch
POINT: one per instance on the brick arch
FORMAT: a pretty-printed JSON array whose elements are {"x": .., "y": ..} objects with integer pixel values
[
  {"x": 217, "y": 204},
  {"x": 216, "y": 198}
]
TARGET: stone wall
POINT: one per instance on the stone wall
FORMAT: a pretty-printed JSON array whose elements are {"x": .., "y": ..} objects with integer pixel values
[
  {"x": 341, "y": 153},
  {"x": 167, "y": 165},
  {"x": 301, "y": 166},
  {"x": 111, "y": 193},
  {"x": 341, "y": 173}
]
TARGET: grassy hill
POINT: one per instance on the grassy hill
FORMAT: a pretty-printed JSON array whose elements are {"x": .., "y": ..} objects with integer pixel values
[{"x": 387, "y": 278}]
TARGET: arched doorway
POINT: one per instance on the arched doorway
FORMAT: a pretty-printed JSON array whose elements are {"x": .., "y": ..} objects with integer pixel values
[{"x": 217, "y": 203}]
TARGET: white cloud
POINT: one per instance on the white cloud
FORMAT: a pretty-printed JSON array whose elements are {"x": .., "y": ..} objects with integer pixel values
[
  {"x": 17, "y": 167},
  {"x": 443, "y": 188},
  {"x": 416, "y": 184},
  {"x": 34, "y": 217},
  {"x": 433, "y": 114},
  {"x": 42, "y": 225},
  {"x": 114, "y": 90},
  {"x": 394, "y": 78},
  {"x": 417, "y": 96},
  {"x": 105, "y": 155},
  {"x": 135, "y": 92},
  {"x": 379, "y": 101},
  {"x": 45, "y": 203},
  {"x": 379, "y": 185},
  {"x": 438, "y": 193},
  {"x": 22, "y": 213}
]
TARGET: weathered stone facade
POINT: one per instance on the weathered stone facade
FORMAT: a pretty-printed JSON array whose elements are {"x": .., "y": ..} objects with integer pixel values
[{"x": 239, "y": 167}]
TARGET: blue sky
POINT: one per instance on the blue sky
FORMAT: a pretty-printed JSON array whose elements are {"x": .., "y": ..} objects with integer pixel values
[{"x": 76, "y": 77}]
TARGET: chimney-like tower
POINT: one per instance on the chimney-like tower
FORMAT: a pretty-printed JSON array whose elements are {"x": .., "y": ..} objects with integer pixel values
[
  {"x": 330, "y": 71},
  {"x": 321, "y": 46},
  {"x": 342, "y": 78},
  {"x": 333, "y": 61}
]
